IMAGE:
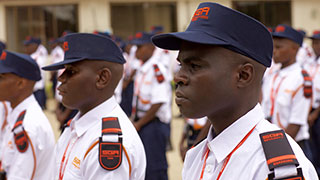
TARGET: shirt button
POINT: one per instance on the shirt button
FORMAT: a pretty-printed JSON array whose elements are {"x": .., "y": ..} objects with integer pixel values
[{"x": 209, "y": 168}]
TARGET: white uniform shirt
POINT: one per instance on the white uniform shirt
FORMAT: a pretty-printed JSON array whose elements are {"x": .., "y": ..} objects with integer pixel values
[
  {"x": 305, "y": 54},
  {"x": 4, "y": 111},
  {"x": 85, "y": 131},
  {"x": 40, "y": 56},
  {"x": 150, "y": 91},
  {"x": 197, "y": 123},
  {"x": 290, "y": 106},
  {"x": 313, "y": 68},
  {"x": 57, "y": 55},
  {"x": 248, "y": 161},
  {"x": 165, "y": 59},
  {"x": 20, "y": 165}
]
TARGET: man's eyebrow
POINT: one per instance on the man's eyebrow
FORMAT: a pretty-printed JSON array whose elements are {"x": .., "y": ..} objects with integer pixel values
[{"x": 188, "y": 59}]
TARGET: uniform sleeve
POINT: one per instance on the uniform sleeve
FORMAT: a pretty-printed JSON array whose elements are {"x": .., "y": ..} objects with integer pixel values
[
  {"x": 92, "y": 170},
  {"x": 160, "y": 91},
  {"x": 22, "y": 164},
  {"x": 300, "y": 108}
]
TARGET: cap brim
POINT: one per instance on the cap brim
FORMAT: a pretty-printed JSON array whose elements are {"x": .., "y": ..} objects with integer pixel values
[
  {"x": 280, "y": 35},
  {"x": 313, "y": 37},
  {"x": 172, "y": 41},
  {"x": 60, "y": 65},
  {"x": 4, "y": 69}
]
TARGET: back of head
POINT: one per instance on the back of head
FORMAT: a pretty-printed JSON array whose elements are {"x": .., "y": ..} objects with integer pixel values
[{"x": 20, "y": 64}]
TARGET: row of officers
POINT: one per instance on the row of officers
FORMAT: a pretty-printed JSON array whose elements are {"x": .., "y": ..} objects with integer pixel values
[
  {"x": 99, "y": 141},
  {"x": 95, "y": 77}
]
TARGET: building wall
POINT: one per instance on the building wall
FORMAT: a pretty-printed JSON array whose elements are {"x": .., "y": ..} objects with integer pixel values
[
  {"x": 95, "y": 14},
  {"x": 306, "y": 15}
]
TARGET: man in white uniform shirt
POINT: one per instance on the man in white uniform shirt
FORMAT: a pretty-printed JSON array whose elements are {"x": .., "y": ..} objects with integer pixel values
[
  {"x": 285, "y": 94},
  {"x": 39, "y": 53},
  {"x": 28, "y": 141},
  {"x": 100, "y": 142},
  {"x": 223, "y": 55},
  {"x": 152, "y": 106},
  {"x": 313, "y": 67}
]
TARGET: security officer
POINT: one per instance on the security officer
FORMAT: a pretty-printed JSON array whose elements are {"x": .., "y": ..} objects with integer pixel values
[
  {"x": 28, "y": 140},
  {"x": 313, "y": 68},
  {"x": 285, "y": 92},
  {"x": 151, "y": 106},
  {"x": 39, "y": 53},
  {"x": 222, "y": 64},
  {"x": 305, "y": 53},
  {"x": 100, "y": 142},
  {"x": 4, "y": 111}
]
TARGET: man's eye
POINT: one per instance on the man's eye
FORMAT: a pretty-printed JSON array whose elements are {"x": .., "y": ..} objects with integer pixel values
[{"x": 195, "y": 66}]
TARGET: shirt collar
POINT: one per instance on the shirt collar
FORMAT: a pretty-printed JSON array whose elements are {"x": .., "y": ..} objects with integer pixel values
[
  {"x": 223, "y": 144},
  {"x": 289, "y": 68},
  {"x": 82, "y": 124},
  {"x": 18, "y": 109},
  {"x": 152, "y": 60}
]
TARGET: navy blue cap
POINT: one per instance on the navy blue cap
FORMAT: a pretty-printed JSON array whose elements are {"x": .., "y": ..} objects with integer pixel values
[
  {"x": 20, "y": 64},
  {"x": 285, "y": 31},
  {"x": 84, "y": 46},
  {"x": 214, "y": 24},
  {"x": 315, "y": 35},
  {"x": 156, "y": 29},
  {"x": 107, "y": 34},
  {"x": 302, "y": 32},
  {"x": 142, "y": 38},
  {"x": 31, "y": 40}
]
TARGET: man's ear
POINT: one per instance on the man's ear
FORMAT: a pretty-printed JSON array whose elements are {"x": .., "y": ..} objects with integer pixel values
[
  {"x": 21, "y": 83},
  {"x": 245, "y": 76},
  {"x": 103, "y": 78}
]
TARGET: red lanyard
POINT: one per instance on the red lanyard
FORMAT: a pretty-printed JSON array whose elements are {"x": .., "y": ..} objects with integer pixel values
[
  {"x": 62, "y": 164},
  {"x": 274, "y": 92},
  {"x": 228, "y": 157}
]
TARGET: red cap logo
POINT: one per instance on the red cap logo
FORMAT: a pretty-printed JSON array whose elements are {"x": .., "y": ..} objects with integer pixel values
[
  {"x": 201, "y": 13},
  {"x": 65, "y": 46},
  {"x": 139, "y": 35},
  {"x": 316, "y": 32},
  {"x": 280, "y": 29},
  {"x": 3, "y": 55}
]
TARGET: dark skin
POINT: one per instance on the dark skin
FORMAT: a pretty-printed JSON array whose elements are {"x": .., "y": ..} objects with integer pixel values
[
  {"x": 216, "y": 82},
  {"x": 316, "y": 46},
  {"x": 284, "y": 52},
  {"x": 144, "y": 53},
  {"x": 86, "y": 84},
  {"x": 315, "y": 113},
  {"x": 14, "y": 88},
  {"x": 31, "y": 48}
]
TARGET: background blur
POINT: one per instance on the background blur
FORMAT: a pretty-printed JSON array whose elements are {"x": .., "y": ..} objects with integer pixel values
[{"x": 47, "y": 19}]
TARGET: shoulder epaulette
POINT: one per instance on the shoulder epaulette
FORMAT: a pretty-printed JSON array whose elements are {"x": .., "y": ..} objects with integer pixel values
[
  {"x": 159, "y": 75},
  {"x": 307, "y": 84},
  {"x": 20, "y": 135},
  {"x": 110, "y": 151},
  {"x": 279, "y": 153}
]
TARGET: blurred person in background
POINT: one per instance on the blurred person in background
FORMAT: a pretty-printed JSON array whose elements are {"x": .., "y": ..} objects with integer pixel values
[
  {"x": 28, "y": 141},
  {"x": 152, "y": 106},
  {"x": 39, "y": 53}
]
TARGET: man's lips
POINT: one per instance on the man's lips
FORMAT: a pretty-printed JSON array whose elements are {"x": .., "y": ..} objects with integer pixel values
[
  {"x": 180, "y": 98},
  {"x": 61, "y": 91}
]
